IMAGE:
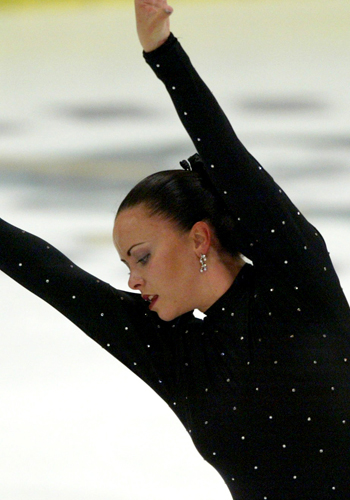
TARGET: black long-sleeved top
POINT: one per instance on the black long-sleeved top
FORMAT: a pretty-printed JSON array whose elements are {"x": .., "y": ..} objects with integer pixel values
[{"x": 262, "y": 384}]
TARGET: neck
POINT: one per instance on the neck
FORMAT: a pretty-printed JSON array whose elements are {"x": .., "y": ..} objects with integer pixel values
[{"x": 218, "y": 279}]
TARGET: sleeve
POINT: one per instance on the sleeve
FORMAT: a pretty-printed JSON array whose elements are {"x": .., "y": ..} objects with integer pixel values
[
  {"x": 119, "y": 321},
  {"x": 271, "y": 231}
]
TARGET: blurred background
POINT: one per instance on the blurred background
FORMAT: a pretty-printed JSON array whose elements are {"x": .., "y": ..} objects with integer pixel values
[{"x": 82, "y": 119}]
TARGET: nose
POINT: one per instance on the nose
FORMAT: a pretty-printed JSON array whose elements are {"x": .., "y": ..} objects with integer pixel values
[{"x": 135, "y": 282}]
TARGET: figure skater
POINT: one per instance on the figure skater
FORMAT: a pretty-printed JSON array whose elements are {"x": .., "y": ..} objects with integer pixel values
[{"x": 261, "y": 384}]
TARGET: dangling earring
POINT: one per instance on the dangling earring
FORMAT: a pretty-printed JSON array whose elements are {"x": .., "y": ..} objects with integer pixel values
[{"x": 203, "y": 261}]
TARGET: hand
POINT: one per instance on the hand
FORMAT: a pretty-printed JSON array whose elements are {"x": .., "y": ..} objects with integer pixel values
[{"x": 152, "y": 22}]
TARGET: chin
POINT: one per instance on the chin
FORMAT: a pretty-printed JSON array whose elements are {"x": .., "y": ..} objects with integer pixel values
[
  {"x": 170, "y": 315},
  {"x": 167, "y": 316}
]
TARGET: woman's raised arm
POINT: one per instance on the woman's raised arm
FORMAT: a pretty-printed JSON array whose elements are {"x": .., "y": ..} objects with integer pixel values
[{"x": 270, "y": 230}]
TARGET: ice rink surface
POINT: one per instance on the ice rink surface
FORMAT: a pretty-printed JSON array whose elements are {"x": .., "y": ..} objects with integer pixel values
[{"x": 82, "y": 119}]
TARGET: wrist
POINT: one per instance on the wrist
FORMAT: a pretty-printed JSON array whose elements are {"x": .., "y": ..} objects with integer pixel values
[{"x": 151, "y": 47}]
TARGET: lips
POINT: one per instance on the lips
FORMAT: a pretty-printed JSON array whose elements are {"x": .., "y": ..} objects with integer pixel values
[{"x": 151, "y": 299}]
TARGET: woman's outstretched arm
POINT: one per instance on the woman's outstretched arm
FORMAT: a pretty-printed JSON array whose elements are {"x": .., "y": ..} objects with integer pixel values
[{"x": 119, "y": 321}]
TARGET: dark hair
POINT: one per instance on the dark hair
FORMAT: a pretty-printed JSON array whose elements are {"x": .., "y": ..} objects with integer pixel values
[{"x": 183, "y": 198}]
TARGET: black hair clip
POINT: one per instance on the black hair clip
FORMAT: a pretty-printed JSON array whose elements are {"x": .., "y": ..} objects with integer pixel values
[{"x": 194, "y": 164}]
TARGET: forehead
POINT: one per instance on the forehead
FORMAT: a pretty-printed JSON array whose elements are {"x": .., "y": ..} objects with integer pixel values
[{"x": 134, "y": 225}]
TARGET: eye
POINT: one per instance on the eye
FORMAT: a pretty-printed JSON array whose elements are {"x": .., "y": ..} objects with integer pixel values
[{"x": 144, "y": 259}]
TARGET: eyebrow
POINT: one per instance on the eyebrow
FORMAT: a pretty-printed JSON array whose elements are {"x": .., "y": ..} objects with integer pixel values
[
  {"x": 129, "y": 252},
  {"x": 136, "y": 245}
]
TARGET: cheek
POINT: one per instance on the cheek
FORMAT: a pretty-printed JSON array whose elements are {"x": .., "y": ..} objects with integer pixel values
[
  {"x": 180, "y": 271},
  {"x": 167, "y": 270}
]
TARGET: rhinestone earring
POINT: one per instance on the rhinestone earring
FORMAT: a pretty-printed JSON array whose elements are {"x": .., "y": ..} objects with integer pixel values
[{"x": 203, "y": 261}]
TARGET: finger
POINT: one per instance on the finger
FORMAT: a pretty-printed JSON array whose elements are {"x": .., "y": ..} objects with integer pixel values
[{"x": 168, "y": 9}]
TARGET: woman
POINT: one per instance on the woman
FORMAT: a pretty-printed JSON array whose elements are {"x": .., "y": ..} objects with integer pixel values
[{"x": 262, "y": 383}]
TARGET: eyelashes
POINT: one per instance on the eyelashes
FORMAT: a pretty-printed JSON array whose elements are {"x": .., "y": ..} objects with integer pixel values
[{"x": 144, "y": 259}]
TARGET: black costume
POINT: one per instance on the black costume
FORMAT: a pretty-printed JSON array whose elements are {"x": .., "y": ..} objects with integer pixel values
[{"x": 263, "y": 383}]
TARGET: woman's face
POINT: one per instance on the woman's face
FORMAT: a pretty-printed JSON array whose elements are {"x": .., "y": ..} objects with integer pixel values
[{"x": 163, "y": 262}]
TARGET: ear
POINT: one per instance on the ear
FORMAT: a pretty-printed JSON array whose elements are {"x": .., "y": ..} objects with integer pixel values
[{"x": 201, "y": 235}]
